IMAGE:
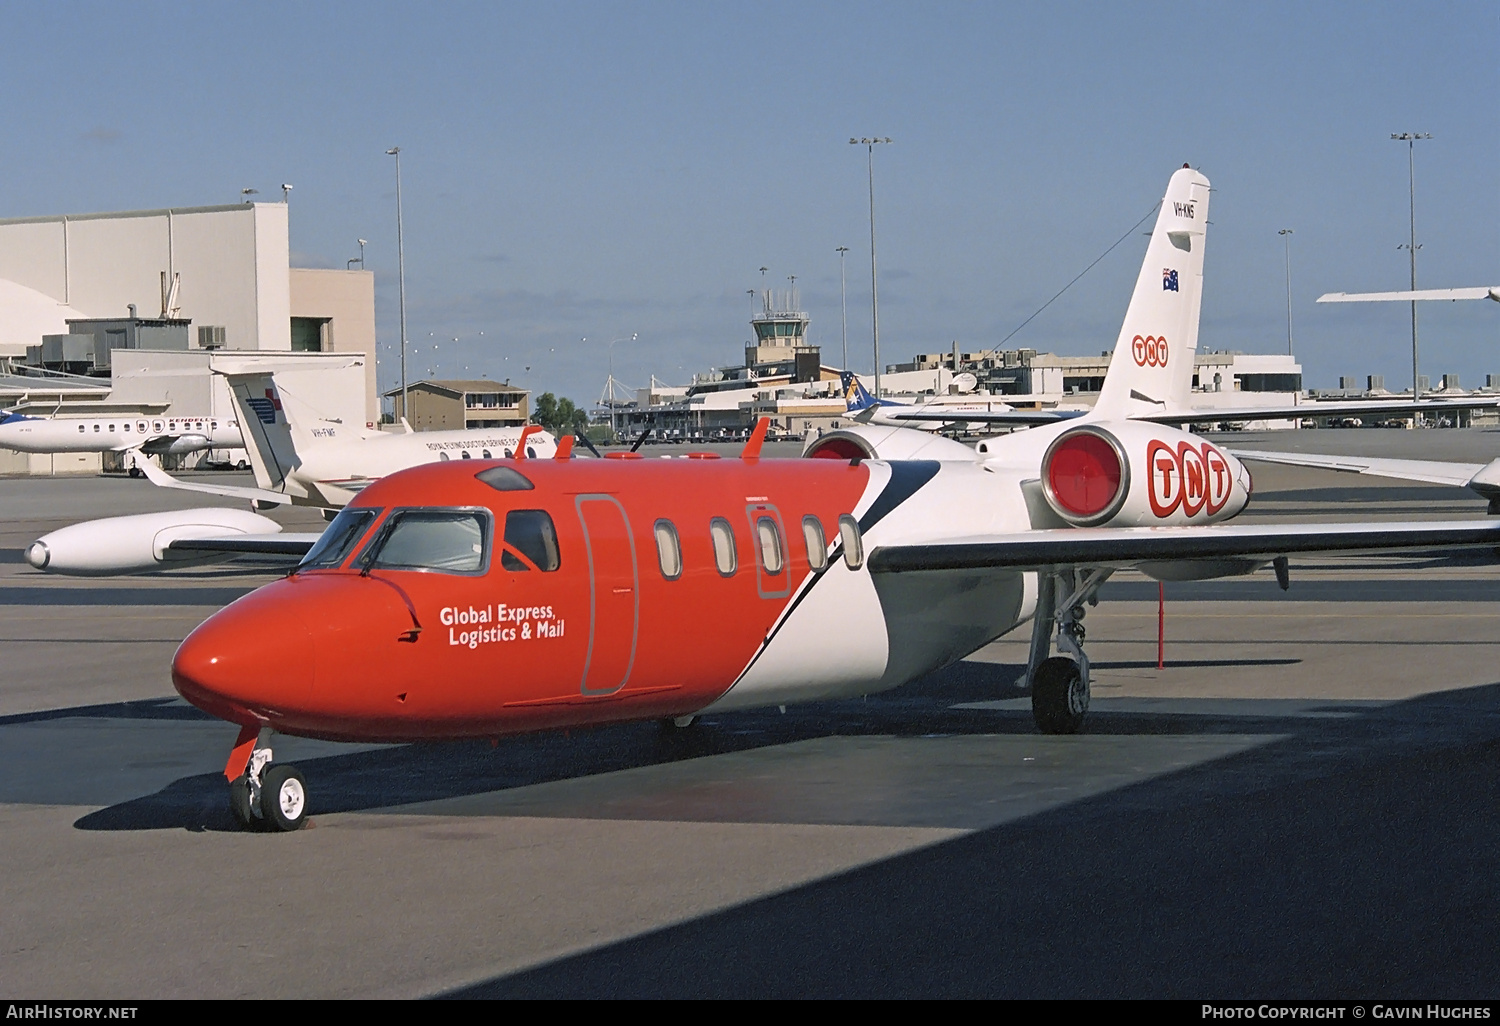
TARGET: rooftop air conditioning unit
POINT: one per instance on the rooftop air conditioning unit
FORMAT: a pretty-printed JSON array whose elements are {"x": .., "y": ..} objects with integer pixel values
[{"x": 210, "y": 336}]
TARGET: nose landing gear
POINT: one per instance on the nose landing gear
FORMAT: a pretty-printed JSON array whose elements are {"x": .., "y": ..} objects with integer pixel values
[
  {"x": 1060, "y": 684},
  {"x": 263, "y": 796}
]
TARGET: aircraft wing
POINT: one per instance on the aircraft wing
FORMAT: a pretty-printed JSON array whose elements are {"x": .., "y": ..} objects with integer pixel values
[
  {"x": 1131, "y": 546},
  {"x": 1428, "y": 471},
  {"x": 162, "y": 479},
  {"x": 1482, "y": 292},
  {"x": 1369, "y": 407},
  {"x": 1021, "y": 417},
  {"x": 247, "y": 544}
]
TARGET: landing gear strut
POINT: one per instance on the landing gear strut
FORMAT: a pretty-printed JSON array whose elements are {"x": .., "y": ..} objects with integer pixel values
[
  {"x": 267, "y": 797},
  {"x": 1060, "y": 684}
]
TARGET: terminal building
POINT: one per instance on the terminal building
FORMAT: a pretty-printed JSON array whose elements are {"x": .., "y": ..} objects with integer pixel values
[
  {"x": 784, "y": 378},
  {"x": 462, "y": 405},
  {"x": 104, "y": 312}
]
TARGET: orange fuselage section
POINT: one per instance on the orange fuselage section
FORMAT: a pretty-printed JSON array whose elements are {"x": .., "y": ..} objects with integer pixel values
[{"x": 637, "y": 615}]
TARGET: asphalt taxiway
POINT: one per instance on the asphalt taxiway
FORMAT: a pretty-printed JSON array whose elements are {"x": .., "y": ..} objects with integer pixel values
[{"x": 1301, "y": 803}]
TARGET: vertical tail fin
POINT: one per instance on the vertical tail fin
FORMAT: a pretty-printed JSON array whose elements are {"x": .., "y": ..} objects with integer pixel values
[
  {"x": 270, "y": 433},
  {"x": 855, "y": 396},
  {"x": 1152, "y": 366}
]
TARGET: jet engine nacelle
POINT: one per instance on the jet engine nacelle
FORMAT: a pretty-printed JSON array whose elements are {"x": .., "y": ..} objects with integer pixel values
[
  {"x": 1135, "y": 474},
  {"x": 177, "y": 445},
  {"x": 876, "y": 442},
  {"x": 135, "y": 544}
]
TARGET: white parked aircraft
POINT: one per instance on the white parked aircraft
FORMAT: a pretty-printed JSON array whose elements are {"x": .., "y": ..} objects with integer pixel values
[
  {"x": 299, "y": 459},
  {"x": 153, "y": 435},
  {"x": 303, "y": 459}
]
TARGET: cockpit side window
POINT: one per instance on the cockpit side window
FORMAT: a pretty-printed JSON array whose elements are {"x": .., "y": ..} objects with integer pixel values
[
  {"x": 530, "y": 541},
  {"x": 454, "y": 541},
  {"x": 339, "y": 539}
]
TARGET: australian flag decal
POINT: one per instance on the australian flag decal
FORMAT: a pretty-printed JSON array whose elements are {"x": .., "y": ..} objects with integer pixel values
[{"x": 1168, "y": 280}]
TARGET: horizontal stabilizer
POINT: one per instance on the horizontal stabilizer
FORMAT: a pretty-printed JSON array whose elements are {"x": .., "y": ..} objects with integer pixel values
[
  {"x": 1426, "y": 471},
  {"x": 162, "y": 479},
  {"x": 1317, "y": 410},
  {"x": 1450, "y": 295}
]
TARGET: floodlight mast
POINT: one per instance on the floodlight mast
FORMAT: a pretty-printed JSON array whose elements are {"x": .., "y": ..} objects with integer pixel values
[
  {"x": 1410, "y": 138},
  {"x": 395, "y": 151},
  {"x": 1286, "y": 235},
  {"x": 870, "y": 145}
]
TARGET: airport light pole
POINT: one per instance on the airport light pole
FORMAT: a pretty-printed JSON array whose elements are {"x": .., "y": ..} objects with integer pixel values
[
  {"x": 1286, "y": 236},
  {"x": 1410, "y": 138},
  {"x": 612, "y": 429},
  {"x": 843, "y": 307},
  {"x": 395, "y": 151},
  {"x": 869, "y": 145}
]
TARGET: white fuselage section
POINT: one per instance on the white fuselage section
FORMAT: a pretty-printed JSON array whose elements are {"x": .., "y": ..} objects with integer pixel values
[
  {"x": 116, "y": 434},
  {"x": 337, "y": 465}
]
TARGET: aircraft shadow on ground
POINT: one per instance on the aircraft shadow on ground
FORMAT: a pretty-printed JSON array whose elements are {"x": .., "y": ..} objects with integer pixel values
[
  {"x": 1353, "y": 857},
  {"x": 143, "y": 709},
  {"x": 403, "y": 775}
]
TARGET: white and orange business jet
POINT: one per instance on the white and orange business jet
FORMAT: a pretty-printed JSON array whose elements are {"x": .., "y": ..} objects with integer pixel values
[{"x": 482, "y": 598}]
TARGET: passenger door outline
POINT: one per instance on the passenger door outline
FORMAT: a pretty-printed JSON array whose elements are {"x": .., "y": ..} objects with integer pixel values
[
  {"x": 769, "y": 585},
  {"x": 601, "y": 517}
]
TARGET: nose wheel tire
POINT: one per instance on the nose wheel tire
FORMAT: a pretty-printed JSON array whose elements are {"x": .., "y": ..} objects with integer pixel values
[
  {"x": 283, "y": 798},
  {"x": 1059, "y": 696}
]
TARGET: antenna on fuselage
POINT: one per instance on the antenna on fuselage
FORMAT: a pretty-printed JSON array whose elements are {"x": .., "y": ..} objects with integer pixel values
[
  {"x": 588, "y": 444},
  {"x": 757, "y": 439},
  {"x": 526, "y": 432},
  {"x": 564, "y": 448}
]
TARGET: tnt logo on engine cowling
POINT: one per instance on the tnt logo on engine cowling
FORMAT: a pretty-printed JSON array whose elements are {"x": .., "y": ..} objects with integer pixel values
[
  {"x": 1149, "y": 350},
  {"x": 1195, "y": 478}
]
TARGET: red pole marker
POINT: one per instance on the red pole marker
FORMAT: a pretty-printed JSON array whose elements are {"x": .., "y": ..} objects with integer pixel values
[{"x": 1161, "y": 624}]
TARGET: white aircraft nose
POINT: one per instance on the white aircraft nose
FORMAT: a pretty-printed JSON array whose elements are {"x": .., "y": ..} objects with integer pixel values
[{"x": 38, "y": 555}]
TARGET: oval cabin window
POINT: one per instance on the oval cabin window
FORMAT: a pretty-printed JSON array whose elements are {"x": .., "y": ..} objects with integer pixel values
[
  {"x": 817, "y": 545},
  {"x": 668, "y": 550},
  {"x": 770, "y": 544},
  {"x": 723, "y": 538}
]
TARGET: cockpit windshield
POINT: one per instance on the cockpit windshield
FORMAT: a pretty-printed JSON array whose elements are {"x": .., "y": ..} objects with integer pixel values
[
  {"x": 454, "y": 541},
  {"x": 338, "y": 539}
]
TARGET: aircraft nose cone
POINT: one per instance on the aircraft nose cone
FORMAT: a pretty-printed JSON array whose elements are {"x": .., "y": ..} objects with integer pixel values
[
  {"x": 251, "y": 660},
  {"x": 38, "y": 555}
]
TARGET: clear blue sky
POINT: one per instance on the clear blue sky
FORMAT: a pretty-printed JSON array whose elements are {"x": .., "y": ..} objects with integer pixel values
[{"x": 600, "y": 169}]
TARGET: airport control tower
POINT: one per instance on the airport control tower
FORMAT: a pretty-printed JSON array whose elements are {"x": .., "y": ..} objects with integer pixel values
[{"x": 781, "y": 338}]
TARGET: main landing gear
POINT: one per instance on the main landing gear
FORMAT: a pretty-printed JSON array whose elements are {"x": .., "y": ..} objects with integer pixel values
[
  {"x": 263, "y": 796},
  {"x": 1060, "y": 684}
]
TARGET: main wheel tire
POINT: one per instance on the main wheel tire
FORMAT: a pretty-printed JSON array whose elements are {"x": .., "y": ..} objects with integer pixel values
[
  {"x": 1059, "y": 697},
  {"x": 135, "y": 471},
  {"x": 283, "y": 798},
  {"x": 239, "y": 803}
]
